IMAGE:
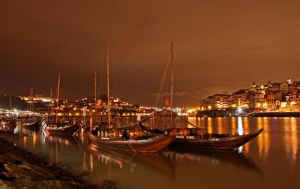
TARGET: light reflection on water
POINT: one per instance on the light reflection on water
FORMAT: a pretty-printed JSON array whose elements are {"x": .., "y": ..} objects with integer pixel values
[
  {"x": 273, "y": 154},
  {"x": 240, "y": 131}
]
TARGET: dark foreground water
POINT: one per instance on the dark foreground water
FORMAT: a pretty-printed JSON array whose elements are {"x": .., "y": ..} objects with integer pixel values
[{"x": 269, "y": 161}]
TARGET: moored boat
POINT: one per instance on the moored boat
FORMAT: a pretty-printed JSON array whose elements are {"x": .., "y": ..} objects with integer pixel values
[
  {"x": 133, "y": 139},
  {"x": 8, "y": 122},
  {"x": 196, "y": 138},
  {"x": 149, "y": 145},
  {"x": 32, "y": 125},
  {"x": 187, "y": 139},
  {"x": 62, "y": 128}
]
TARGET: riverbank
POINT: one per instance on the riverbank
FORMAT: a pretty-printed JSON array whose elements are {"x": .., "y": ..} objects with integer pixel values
[
  {"x": 23, "y": 169},
  {"x": 246, "y": 113},
  {"x": 275, "y": 114}
]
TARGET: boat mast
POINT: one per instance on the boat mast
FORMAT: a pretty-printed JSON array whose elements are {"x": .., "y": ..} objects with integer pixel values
[
  {"x": 108, "y": 84},
  {"x": 51, "y": 93},
  {"x": 51, "y": 98},
  {"x": 95, "y": 90},
  {"x": 57, "y": 97},
  {"x": 172, "y": 80},
  {"x": 31, "y": 100},
  {"x": 10, "y": 103}
]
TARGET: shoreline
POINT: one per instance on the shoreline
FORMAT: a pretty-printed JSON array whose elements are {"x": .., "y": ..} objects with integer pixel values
[
  {"x": 231, "y": 113},
  {"x": 20, "y": 168}
]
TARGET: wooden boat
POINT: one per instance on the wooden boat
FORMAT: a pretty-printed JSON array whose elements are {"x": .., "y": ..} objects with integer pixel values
[
  {"x": 139, "y": 144},
  {"x": 32, "y": 125},
  {"x": 57, "y": 128},
  {"x": 7, "y": 127},
  {"x": 132, "y": 139},
  {"x": 8, "y": 122},
  {"x": 210, "y": 141},
  {"x": 197, "y": 138},
  {"x": 62, "y": 129}
]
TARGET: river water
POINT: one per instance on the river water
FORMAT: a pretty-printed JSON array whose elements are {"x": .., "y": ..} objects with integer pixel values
[{"x": 269, "y": 161}]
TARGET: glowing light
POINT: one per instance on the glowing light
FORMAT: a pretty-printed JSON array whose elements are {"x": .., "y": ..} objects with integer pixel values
[
  {"x": 240, "y": 110},
  {"x": 240, "y": 129},
  {"x": 265, "y": 105},
  {"x": 283, "y": 104},
  {"x": 191, "y": 110}
]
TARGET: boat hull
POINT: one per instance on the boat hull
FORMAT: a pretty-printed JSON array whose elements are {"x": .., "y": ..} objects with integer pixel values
[
  {"x": 66, "y": 130},
  {"x": 35, "y": 126},
  {"x": 154, "y": 144},
  {"x": 225, "y": 143}
]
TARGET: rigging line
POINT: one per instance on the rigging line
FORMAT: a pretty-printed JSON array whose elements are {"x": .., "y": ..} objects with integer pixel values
[{"x": 162, "y": 82}]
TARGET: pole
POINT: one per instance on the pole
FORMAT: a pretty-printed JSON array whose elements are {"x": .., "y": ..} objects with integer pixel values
[
  {"x": 95, "y": 90},
  {"x": 57, "y": 97},
  {"x": 172, "y": 80},
  {"x": 108, "y": 83}
]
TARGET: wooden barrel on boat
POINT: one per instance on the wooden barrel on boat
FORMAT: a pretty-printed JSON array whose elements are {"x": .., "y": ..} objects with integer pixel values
[
  {"x": 183, "y": 132},
  {"x": 179, "y": 132},
  {"x": 192, "y": 132},
  {"x": 171, "y": 132},
  {"x": 199, "y": 132},
  {"x": 135, "y": 132},
  {"x": 111, "y": 133},
  {"x": 117, "y": 133},
  {"x": 131, "y": 133}
]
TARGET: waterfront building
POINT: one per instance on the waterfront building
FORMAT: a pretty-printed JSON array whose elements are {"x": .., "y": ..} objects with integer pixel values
[{"x": 277, "y": 96}]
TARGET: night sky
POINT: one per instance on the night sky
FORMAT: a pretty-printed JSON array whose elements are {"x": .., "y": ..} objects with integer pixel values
[{"x": 220, "y": 45}]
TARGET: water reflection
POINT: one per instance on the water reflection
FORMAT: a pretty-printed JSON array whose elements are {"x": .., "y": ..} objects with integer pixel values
[
  {"x": 122, "y": 160},
  {"x": 277, "y": 148},
  {"x": 9, "y": 128},
  {"x": 277, "y": 132},
  {"x": 232, "y": 158},
  {"x": 288, "y": 127},
  {"x": 240, "y": 128},
  {"x": 240, "y": 131},
  {"x": 291, "y": 139}
]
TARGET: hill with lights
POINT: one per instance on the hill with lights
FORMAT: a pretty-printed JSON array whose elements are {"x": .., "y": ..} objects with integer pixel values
[{"x": 12, "y": 102}]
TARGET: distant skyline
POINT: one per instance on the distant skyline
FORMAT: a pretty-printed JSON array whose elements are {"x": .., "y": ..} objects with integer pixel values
[{"x": 219, "y": 46}]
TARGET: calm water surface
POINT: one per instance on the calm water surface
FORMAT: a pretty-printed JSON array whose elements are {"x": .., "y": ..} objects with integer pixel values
[{"x": 269, "y": 161}]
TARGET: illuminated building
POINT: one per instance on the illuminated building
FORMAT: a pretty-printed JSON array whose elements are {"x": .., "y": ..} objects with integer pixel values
[{"x": 283, "y": 96}]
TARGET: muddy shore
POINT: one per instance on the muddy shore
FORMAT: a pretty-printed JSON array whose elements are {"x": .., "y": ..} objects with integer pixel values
[{"x": 20, "y": 168}]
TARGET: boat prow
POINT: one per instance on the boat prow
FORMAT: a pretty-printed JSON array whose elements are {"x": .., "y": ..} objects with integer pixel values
[
  {"x": 69, "y": 129},
  {"x": 33, "y": 126}
]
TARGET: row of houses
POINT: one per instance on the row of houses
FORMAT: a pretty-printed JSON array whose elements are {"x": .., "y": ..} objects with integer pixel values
[
  {"x": 75, "y": 107},
  {"x": 279, "y": 96}
]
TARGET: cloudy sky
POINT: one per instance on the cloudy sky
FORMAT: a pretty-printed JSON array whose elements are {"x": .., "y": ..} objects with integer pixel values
[{"x": 219, "y": 45}]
